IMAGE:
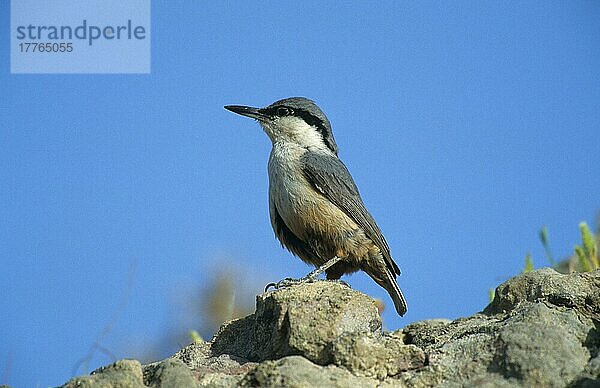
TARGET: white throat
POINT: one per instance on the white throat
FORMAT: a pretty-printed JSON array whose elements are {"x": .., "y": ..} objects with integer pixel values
[{"x": 292, "y": 129}]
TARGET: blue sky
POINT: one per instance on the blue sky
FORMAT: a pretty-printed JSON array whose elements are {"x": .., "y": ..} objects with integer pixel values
[{"x": 467, "y": 126}]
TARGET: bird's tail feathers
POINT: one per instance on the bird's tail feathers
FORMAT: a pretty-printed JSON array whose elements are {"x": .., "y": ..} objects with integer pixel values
[{"x": 392, "y": 288}]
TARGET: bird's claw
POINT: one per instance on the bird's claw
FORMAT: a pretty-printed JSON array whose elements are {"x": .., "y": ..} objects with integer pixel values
[
  {"x": 343, "y": 283},
  {"x": 274, "y": 285},
  {"x": 281, "y": 284},
  {"x": 288, "y": 282}
]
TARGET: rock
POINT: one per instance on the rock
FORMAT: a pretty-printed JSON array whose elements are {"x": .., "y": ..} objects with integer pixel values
[
  {"x": 577, "y": 290},
  {"x": 533, "y": 346},
  {"x": 300, "y": 320},
  {"x": 194, "y": 354},
  {"x": 542, "y": 329},
  {"x": 123, "y": 373},
  {"x": 171, "y": 372},
  {"x": 208, "y": 370},
  {"x": 298, "y": 372},
  {"x": 365, "y": 354}
]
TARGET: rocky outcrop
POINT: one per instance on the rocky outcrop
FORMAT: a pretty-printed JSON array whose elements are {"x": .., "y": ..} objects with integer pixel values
[{"x": 542, "y": 329}]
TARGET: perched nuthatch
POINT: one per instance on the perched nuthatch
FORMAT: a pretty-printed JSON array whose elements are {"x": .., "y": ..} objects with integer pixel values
[{"x": 316, "y": 210}]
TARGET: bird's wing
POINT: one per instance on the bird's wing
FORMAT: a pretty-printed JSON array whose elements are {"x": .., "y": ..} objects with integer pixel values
[{"x": 330, "y": 177}]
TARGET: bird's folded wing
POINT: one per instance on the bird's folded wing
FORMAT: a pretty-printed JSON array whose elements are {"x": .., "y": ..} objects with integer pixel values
[{"x": 330, "y": 177}]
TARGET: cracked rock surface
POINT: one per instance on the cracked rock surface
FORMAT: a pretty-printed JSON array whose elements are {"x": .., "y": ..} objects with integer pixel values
[{"x": 542, "y": 329}]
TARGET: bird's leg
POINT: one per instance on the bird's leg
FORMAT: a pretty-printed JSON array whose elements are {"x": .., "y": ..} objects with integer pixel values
[
  {"x": 311, "y": 277},
  {"x": 314, "y": 274}
]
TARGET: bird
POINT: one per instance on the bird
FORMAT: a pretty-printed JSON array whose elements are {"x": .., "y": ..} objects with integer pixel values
[{"x": 315, "y": 207}]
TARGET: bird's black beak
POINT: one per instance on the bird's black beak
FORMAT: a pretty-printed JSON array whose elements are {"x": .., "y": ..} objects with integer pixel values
[{"x": 247, "y": 111}]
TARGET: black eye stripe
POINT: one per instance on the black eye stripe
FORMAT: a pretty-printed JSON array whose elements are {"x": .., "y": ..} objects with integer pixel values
[
  {"x": 284, "y": 111},
  {"x": 281, "y": 111},
  {"x": 278, "y": 111}
]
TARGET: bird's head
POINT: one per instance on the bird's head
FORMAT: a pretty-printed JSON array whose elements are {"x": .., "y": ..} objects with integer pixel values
[{"x": 297, "y": 120}]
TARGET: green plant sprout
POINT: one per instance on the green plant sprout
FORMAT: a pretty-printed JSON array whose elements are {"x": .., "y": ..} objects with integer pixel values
[
  {"x": 528, "y": 264},
  {"x": 546, "y": 243},
  {"x": 491, "y": 294},
  {"x": 195, "y": 337},
  {"x": 588, "y": 252}
]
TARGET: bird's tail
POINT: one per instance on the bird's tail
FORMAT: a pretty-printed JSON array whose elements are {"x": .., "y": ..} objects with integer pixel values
[{"x": 392, "y": 288}]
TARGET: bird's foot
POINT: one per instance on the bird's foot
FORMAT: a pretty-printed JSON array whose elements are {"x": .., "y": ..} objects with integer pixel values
[
  {"x": 310, "y": 278},
  {"x": 288, "y": 282},
  {"x": 338, "y": 281}
]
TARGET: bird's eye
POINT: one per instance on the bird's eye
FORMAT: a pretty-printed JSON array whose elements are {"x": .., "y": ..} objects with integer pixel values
[{"x": 283, "y": 112}]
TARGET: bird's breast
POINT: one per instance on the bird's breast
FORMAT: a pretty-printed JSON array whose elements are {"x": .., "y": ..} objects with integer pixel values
[
  {"x": 289, "y": 190},
  {"x": 306, "y": 212}
]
